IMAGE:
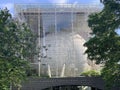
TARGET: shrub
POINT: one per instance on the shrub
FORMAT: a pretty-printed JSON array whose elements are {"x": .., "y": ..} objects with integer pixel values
[{"x": 90, "y": 73}]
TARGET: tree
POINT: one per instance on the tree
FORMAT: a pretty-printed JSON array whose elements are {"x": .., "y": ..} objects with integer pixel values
[
  {"x": 104, "y": 45},
  {"x": 16, "y": 46}
]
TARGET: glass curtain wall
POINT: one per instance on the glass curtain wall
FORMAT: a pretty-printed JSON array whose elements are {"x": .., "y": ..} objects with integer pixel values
[{"x": 63, "y": 30}]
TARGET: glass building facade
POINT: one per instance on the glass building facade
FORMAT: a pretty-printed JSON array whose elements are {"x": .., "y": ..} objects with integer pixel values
[{"x": 62, "y": 30}]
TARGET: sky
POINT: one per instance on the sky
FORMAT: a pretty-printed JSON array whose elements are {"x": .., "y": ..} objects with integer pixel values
[{"x": 10, "y": 3}]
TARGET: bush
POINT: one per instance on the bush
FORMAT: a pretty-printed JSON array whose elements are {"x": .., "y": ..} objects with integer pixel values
[{"x": 90, "y": 73}]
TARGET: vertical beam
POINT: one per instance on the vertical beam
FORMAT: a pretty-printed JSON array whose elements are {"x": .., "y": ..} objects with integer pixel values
[
  {"x": 44, "y": 38},
  {"x": 39, "y": 53},
  {"x": 56, "y": 41},
  {"x": 63, "y": 71},
  {"x": 73, "y": 45},
  {"x": 49, "y": 71},
  {"x": 39, "y": 64},
  {"x": 72, "y": 18}
]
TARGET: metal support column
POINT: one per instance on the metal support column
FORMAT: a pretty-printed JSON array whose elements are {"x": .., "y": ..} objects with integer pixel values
[
  {"x": 39, "y": 53},
  {"x": 56, "y": 41}
]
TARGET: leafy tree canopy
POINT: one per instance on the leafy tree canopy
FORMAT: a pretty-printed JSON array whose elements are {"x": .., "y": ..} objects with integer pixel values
[
  {"x": 16, "y": 46},
  {"x": 104, "y": 46}
]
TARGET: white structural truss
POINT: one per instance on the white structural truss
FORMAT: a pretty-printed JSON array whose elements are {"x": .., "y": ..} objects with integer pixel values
[{"x": 62, "y": 30}]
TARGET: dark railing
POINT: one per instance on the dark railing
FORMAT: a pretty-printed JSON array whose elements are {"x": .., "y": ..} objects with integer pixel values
[{"x": 42, "y": 83}]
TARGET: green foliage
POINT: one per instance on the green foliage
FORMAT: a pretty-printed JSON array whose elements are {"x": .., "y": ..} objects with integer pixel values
[
  {"x": 32, "y": 72},
  {"x": 104, "y": 46},
  {"x": 16, "y": 45},
  {"x": 91, "y": 73},
  {"x": 44, "y": 76},
  {"x": 111, "y": 73}
]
